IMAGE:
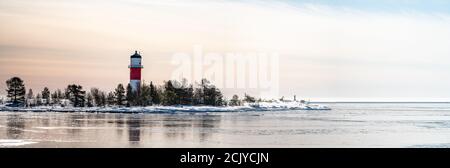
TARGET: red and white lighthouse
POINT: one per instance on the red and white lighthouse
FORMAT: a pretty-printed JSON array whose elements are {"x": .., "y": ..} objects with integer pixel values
[{"x": 135, "y": 71}]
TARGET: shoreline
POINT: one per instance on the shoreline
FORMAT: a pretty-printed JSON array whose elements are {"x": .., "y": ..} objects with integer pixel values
[{"x": 159, "y": 109}]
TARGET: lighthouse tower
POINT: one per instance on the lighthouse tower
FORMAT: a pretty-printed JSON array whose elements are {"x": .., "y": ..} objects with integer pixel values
[{"x": 135, "y": 71}]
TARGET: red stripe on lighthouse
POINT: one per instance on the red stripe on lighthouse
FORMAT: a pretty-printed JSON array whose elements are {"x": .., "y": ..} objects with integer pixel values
[{"x": 135, "y": 73}]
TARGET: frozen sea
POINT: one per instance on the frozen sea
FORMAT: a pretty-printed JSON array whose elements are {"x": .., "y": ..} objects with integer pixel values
[{"x": 351, "y": 125}]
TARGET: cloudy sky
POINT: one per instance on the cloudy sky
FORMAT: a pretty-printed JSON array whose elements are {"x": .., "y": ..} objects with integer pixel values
[{"x": 329, "y": 49}]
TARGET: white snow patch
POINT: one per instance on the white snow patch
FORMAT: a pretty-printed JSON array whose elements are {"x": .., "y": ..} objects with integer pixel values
[
  {"x": 262, "y": 106},
  {"x": 14, "y": 142}
]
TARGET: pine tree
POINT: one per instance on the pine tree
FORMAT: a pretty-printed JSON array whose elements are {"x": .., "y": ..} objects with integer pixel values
[
  {"x": 16, "y": 90},
  {"x": 198, "y": 96},
  {"x": 154, "y": 94},
  {"x": 55, "y": 98},
  {"x": 218, "y": 100},
  {"x": 102, "y": 99},
  {"x": 38, "y": 99},
  {"x": 213, "y": 96},
  {"x": 66, "y": 93},
  {"x": 188, "y": 95},
  {"x": 130, "y": 96},
  {"x": 46, "y": 95},
  {"x": 145, "y": 98},
  {"x": 95, "y": 92},
  {"x": 99, "y": 97},
  {"x": 235, "y": 101},
  {"x": 184, "y": 92},
  {"x": 89, "y": 100},
  {"x": 30, "y": 94},
  {"x": 111, "y": 99},
  {"x": 210, "y": 94},
  {"x": 170, "y": 97},
  {"x": 30, "y": 98},
  {"x": 76, "y": 95},
  {"x": 160, "y": 95},
  {"x": 119, "y": 94},
  {"x": 249, "y": 99},
  {"x": 60, "y": 94}
]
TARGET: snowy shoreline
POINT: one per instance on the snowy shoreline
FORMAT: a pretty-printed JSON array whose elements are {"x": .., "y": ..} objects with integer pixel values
[{"x": 169, "y": 109}]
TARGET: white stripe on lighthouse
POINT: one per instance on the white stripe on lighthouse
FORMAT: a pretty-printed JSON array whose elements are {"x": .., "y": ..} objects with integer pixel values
[{"x": 135, "y": 85}]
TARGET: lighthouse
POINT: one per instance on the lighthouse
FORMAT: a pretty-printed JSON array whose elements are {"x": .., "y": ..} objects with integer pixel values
[{"x": 135, "y": 71}]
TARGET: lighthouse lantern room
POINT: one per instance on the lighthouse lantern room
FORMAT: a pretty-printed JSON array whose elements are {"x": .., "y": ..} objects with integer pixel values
[{"x": 135, "y": 71}]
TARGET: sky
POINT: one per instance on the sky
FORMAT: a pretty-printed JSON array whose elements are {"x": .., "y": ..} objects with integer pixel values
[{"x": 328, "y": 50}]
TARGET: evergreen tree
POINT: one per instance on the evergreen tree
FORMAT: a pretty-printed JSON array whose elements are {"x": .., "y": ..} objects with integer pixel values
[
  {"x": 119, "y": 94},
  {"x": 154, "y": 94},
  {"x": 60, "y": 94},
  {"x": 249, "y": 99},
  {"x": 187, "y": 96},
  {"x": 131, "y": 96},
  {"x": 46, "y": 95},
  {"x": 103, "y": 101},
  {"x": 170, "y": 97},
  {"x": 30, "y": 94},
  {"x": 76, "y": 95},
  {"x": 66, "y": 93},
  {"x": 211, "y": 95},
  {"x": 38, "y": 99},
  {"x": 198, "y": 96},
  {"x": 55, "y": 99},
  {"x": 99, "y": 97},
  {"x": 160, "y": 95},
  {"x": 235, "y": 101},
  {"x": 145, "y": 98},
  {"x": 219, "y": 98},
  {"x": 95, "y": 92},
  {"x": 16, "y": 90},
  {"x": 89, "y": 100},
  {"x": 30, "y": 98},
  {"x": 224, "y": 102},
  {"x": 111, "y": 99},
  {"x": 184, "y": 92}
]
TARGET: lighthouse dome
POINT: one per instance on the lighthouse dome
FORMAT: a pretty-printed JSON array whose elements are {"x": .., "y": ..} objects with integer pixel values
[{"x": 136, "y": 55}]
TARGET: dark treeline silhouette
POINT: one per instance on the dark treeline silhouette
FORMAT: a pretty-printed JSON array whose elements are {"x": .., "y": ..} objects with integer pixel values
[
  {"x": 76, "y": 95},
  {"x": 170, "y": 93},
  {"x": 174, "y": 92},
  {"x": 16, "y": 90}
]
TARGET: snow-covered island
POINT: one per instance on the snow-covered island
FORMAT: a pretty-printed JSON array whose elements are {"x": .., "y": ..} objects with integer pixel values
[
  {"x": 171, "y": 97},
  {"x": 260, "y": 106}
]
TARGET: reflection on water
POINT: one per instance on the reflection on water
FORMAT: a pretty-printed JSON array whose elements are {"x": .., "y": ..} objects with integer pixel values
[
  {"x": 15, "y": 126},
  {"x": 347, "y": 125},
  {"x": 134, "y": 129},
  {"x": 108, "y": 130}
]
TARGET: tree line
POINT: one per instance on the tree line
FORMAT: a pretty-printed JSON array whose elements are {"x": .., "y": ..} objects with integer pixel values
[{"x": 171, "y": 93}]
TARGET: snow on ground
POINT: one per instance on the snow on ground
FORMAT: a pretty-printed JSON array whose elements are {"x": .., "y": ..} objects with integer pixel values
[{"x": 263, "y": 106}]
